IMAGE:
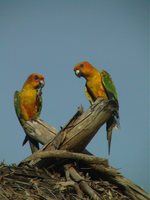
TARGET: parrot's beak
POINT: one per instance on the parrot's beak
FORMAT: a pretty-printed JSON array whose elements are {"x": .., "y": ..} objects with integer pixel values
[
  {"x": 41, "y": 83},
  {"x": 77, "y": 73}
]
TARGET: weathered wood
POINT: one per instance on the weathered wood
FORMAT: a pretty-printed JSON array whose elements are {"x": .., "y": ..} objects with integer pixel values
[
  {"x": 77, "y": 135},
  {"x": 66, "y": 154},
  {"x": 83, "y": 184},
  {"x": 40, "y": 131}
]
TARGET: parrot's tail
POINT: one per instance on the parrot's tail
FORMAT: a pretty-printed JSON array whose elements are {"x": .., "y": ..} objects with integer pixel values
[
  {"x": 33, "y": 143},
  {"x": 109, "y": 136},
  {"x": 25, "y": 140},
  {"x": 113, "y": 122},
  {"x": 116, "y": 120}
]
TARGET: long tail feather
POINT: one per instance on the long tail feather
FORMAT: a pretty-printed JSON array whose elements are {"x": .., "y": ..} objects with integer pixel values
[
  {"x": 109, "y": 137},
  {"x": 33, "y": 143},
  {"x": 113, "y": 122}
]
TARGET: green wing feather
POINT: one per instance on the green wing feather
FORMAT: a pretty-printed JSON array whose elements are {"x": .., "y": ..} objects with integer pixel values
[
  {"x": 17, "y": 107},
  {"x": 33, "y": 143},
  {"x": 17, "y": 103},
  {"x": 112, "y": 94},
  {"x": 109, "y": 86}
]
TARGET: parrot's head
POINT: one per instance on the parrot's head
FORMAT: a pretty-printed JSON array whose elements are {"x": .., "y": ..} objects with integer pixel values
[
  {"x": 84, "y": 69},
  {"x": 35, "y": 81}
]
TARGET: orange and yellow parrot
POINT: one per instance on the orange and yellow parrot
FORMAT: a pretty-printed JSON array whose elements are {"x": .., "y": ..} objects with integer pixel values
[
  {"x": 28, "y": 103},
  {"x": 99, "y": 84}
]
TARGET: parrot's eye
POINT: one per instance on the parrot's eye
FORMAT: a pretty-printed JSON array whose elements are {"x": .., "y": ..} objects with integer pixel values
[
  {"x": 82, "y": 65},
  {"x": 36, "y": 78}
]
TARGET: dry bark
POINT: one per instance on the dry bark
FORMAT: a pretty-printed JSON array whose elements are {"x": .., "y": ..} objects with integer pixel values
[
  {"x": 77, "y": 134},
  {"x": 79, "y": 131},
  {"x": 40, "y": 131},
  {"x": 90, "y": 159}
]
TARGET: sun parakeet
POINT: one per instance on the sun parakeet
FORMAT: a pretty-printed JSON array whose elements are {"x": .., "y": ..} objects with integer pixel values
[
  {"x": 99, "y": 84},
  {"x": 28, "y": 103}
]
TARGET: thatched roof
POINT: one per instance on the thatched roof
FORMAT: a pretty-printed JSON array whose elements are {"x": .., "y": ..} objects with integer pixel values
[{"x": 32, "y": 183}]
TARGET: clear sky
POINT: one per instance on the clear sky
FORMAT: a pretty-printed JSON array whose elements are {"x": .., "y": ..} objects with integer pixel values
[{"x": 50, "y": 37}]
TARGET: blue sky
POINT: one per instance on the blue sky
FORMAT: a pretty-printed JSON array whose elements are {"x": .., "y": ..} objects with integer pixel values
[{"x": 50, "y": 37}]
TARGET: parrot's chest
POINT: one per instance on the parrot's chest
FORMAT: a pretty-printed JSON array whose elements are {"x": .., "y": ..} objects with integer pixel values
[
  {"x": 95, "y": 88},
  {"x": 29, "y": 104}
]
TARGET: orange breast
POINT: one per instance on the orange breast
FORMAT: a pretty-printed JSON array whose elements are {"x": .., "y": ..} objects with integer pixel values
[
  {"x": 28, "y": 105},
  {"x": 96, "y": 87}
]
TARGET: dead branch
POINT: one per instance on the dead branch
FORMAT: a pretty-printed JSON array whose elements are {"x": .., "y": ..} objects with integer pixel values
[
  {"x": 69, "y": 155},
  {"x": 82, "y": 183},
  {"x": 78, "y": 132},
  {"x": 40, "y": 131},
  {"x": 77, "y": 135},
  {"x": 43, "y": 132}
]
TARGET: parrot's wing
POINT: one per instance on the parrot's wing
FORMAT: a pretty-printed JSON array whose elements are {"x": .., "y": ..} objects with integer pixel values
[
  {"x": 88, "y": 95},
  {"x": 17, "y": 103},
  {"x": 34, "y": 144},
  {"x": 110, "y": 91},
  {"x": 109, "y": 86},
  {"x": 112, "y": 94},
  {"x": 17, "y": 106},
  {"x": 39, "y": 102}
]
